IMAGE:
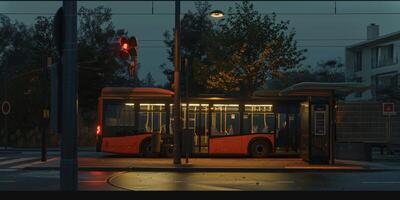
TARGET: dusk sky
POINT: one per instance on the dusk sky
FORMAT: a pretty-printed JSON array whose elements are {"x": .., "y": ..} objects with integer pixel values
[{"x": 325, "y": 34}]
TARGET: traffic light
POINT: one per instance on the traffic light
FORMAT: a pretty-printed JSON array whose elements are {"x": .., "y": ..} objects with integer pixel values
[{"x": 128, "y": 51}]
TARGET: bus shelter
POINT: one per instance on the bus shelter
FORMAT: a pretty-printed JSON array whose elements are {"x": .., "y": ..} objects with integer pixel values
[{"x": 317, "y": 117}]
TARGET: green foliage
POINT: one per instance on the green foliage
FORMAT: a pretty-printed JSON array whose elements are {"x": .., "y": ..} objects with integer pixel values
[
  {"x": 196, "y": 30},
  {"x": 331, "y": 70},
  {"x": 148, "y": 81},
  {"x": 236, "y": 55},
  {"x": 25, "y": 50}
]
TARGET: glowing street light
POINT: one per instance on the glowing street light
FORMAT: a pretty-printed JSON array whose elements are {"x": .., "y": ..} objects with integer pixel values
[{"x": 217, "y": 14}]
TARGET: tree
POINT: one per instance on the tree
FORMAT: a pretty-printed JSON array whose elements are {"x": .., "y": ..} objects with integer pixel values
[
  {"x": 148, "y": 81},
  {"x": 25, "y": 48},
  {"x": 331, "y": 70},
  {"x": 249, "y": 49},
  {"x": 99, "y": 64},
  {"x": 196, "y": 28},
  {"x": 236, "y": 55}
]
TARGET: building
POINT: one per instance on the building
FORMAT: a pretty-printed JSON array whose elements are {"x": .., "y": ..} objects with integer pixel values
[{"x": 375, "y": 62}]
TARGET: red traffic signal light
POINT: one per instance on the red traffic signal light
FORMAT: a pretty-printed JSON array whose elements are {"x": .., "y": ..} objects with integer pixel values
[{"x": 127, "y": 44}]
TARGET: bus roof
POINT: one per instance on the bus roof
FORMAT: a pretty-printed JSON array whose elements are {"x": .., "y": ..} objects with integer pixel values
[{"x": 132, "y": 92}]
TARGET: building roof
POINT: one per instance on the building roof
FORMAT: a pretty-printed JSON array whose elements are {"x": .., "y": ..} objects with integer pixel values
[{"x": 379, "y": 40}]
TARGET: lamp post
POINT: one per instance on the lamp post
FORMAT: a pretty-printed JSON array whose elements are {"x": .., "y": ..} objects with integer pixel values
[
  {"x": 177, "y": 70},
  {"x": 177, "y": 98}
]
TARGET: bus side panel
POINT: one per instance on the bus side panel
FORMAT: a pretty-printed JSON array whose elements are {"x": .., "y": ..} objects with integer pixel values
[
  {"x": 236, "y": 144},
  {"x": 226, "y": 145},
  {"x": 123, "y": 145}
]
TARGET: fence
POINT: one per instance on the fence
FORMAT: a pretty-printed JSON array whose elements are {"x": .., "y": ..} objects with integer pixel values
[{"x": 365, "y": 122}]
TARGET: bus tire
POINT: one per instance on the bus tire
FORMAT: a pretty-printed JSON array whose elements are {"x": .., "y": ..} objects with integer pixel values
[
  {"x": 145, "y": 148},
  {"x": 260, "y": 148}
]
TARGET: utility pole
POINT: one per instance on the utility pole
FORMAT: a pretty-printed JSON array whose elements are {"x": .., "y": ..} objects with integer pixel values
[
  {"x": 46, "y": 114},
  {"x": 68, "y": 165},
  {"x": 177, "y": 96},
  {"x": 6, "y": 99}
]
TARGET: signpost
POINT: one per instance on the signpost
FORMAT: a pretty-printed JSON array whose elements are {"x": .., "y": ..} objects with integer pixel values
[
  {"x": 6, "y": 109},
  {"x": 388, "y": 110}
]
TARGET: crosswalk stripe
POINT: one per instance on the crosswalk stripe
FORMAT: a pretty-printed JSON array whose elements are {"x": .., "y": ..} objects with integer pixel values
[
  {"x": 15, "y": 160},
  {"x": 3, "y": 158},
  {"x": 21, "y": 166},
  {"x": 8, "y": 170}
]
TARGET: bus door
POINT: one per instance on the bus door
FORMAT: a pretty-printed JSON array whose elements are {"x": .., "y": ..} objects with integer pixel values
[
  {"x": 197, "y": 116},
  {"x": 288, "y": 136}
]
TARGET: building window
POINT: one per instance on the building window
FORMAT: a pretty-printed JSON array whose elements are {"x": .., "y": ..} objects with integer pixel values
[
  {"x": 382, "y": 56},
  {"x": 358, "y": 61},
  {"x": 387, "y": 80},
  {"x": 386, "y": 83}
]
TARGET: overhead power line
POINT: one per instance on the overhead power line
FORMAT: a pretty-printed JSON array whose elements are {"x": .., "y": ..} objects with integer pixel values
[{"x": 277, "y": 13}]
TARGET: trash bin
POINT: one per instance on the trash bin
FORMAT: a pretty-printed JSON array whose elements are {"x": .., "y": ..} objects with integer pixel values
[
  {"x": 187, "y": 141},
  {"x": 156, "y": 142}
]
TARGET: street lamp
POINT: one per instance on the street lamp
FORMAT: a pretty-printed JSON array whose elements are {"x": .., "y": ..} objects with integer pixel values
[
  {"x": 217, "y": 14},
  {"x": 177, "y": 99},
  {"x": 177, "y": 70}
]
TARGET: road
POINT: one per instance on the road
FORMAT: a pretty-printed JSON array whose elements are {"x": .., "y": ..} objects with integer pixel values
[
  {"x": 14, "y": 177},
  {"x": 388, "y": 181}
]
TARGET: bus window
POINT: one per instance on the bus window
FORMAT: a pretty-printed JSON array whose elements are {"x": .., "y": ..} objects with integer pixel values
[
  {"x": 258, "y": 119},
  {"x": 225, "y": 119},
  {"x": 152, "y": 118},
  {"x": 119, "y": 119}
]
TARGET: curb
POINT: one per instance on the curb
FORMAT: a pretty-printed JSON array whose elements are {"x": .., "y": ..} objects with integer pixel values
[{"x": 207, "y": 169}]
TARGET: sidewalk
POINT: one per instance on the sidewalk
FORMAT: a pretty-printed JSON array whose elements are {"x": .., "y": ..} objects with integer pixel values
[{"x": 212, "y": 165}]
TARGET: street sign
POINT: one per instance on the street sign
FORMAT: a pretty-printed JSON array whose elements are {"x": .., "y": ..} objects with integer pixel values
[
  {"x": 388, "y": 109},
  {"x": 5, "y": 107},
  {"x": 46, "y": 114}
]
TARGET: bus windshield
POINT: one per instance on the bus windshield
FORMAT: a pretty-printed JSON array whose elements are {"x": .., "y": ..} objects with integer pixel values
[{"x": 119, "y": 119}]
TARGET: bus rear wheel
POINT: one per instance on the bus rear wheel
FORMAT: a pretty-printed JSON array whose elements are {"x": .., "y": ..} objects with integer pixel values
[
  {"x": 145, "y": 148},
  {"x": 260, "y": 148}
]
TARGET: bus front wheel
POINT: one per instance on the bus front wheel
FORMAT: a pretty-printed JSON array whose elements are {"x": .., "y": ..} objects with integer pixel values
[{"x": 260, "y": 148}]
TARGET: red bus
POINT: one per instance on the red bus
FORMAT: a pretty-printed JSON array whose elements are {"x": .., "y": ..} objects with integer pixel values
[{"x": 129, "y": 120}]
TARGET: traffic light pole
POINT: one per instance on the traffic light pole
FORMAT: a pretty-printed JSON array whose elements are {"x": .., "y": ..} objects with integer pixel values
[
  {"x": 177, "y": 96},
  {"x": 6, "y": 99},
  {"x": 45, "y": 114},
  {"x": 68, "y": 165}
]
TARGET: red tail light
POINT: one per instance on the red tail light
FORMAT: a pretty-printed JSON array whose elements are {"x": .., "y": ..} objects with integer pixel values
[{"x": 98, "y": 130}]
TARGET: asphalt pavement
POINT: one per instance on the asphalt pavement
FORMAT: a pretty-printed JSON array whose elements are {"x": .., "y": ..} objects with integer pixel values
[{"x": 16, "y": 173}]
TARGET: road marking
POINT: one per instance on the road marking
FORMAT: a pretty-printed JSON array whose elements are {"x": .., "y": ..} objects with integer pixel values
[
  {"x": 8, "y": 181},
  {"x": 8, "y": 170},
  {"x": 15, "y": 160},
  {"x": 380, "y": 182},
  {"x": 32, "y": 163}
]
